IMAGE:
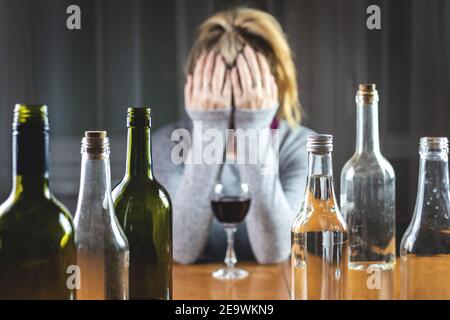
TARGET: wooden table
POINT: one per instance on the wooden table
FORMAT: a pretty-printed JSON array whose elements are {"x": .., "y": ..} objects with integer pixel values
[{"x": 265, "y": 282}]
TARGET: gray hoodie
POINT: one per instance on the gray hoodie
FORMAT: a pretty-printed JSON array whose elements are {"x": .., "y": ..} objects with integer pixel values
[{"x": 275, "y": 198}]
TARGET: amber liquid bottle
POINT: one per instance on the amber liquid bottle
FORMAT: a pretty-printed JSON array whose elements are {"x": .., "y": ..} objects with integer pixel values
[
  {"x": 319, "y": 233},
  {"x": 144, "y": 211}
]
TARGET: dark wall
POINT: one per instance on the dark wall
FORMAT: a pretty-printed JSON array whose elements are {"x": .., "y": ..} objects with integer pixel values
[{"x": 132, "y": 53}]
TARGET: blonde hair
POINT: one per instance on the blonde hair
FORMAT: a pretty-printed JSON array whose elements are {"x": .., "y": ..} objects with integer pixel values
[{"x": 227, "y": 32}]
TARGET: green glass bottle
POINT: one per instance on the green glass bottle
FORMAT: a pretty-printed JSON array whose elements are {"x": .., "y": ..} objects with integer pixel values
[
  {"x": 144, "y": 211},
  {"x": 37, "y": 244}
]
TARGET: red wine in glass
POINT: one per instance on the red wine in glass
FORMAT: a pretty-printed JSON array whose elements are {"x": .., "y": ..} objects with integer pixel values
[
  {"x": 230, "y": 209},
  {"x": 230, "y": 206}
]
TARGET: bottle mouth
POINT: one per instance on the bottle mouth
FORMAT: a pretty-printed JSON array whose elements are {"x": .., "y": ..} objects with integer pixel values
[
  {"x": 433, "y": 144},
  {"x": 95, "y": 144},
  {"x": 31, "y": 115},
  {"x": 139, "y": 117},
  {"x": 320, "y": 143},
  {"x": 367, "y": 93}
]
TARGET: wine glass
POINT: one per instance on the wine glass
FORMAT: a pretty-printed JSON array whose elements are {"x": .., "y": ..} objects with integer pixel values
[{"x": 230, "y": 203}]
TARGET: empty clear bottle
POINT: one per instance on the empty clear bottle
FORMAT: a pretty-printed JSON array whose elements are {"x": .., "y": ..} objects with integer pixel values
[
  {"x": 368, "y": 205},
  {"x": 102, "y": 248},
  {"x": 425, "y": 247},
  {"x": 319, "y": 233}
]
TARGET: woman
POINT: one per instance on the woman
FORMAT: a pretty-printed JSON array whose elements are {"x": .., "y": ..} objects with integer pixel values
[{"x": 240, "y": 58}]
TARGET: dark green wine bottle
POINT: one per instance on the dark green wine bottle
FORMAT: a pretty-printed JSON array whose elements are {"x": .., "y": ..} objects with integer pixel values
[
  {"x": 144, "y": 211},
  {"x": 36, "y": 232}
]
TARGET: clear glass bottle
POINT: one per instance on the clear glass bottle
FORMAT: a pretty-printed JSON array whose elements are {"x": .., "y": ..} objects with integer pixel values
[
  {"x": 425, "y": 246},
  {"x": 319, "y": 232},
  {"x": 144, "y": 211},
  {"x": 368, "y": 205},
  {"x": 102, "y": 248},
  {"x": 37, "y": 239}
]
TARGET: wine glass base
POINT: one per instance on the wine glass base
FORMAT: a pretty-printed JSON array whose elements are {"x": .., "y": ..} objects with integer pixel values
[{"x": 230, "y": 274}]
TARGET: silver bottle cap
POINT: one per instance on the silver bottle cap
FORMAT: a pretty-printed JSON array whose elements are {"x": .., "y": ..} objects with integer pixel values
[{"x": 320, "y": 143}]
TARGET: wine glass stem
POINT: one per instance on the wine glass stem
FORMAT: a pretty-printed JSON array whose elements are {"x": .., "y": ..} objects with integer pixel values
[{"x": 230, "y": 257}]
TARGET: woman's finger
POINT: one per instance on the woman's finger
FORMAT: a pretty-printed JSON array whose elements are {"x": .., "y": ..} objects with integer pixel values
[
  {"x": 197, "y": 77},
  {"x": 235, "y": 85},
  {"x": 244, "y": 73},
  {"x": 266, "y": 75},
  {"x": 188, "y": 92},
  {"x": 218, "y": 75},
  {"x": 208, "y": 70},
  {"x": 227, "y": 93},
  {"x": 274, "y": 90},
  {"x": 252, "y": 62}
]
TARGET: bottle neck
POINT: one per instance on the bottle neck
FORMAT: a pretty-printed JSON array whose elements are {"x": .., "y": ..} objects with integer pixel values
[
  {"x": 320, "y": 176},
  {"x": 367, "y": 135},
  {"x": 139, "y": 155},
  {"x": 30, "y": 162},
  {"x": 95, "y": 181},
  {"x": 433, "y": 188},
  {"x": 320, "y": 164}
]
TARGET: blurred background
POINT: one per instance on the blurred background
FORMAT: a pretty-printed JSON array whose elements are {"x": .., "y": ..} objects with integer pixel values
[{"x": 133, "y": 52}]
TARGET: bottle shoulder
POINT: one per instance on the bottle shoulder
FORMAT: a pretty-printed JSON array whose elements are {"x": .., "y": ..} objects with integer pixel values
[
  {"x": 42, "y": 221},
  {"x": 425, "y": 241},
  {"x": 368, "y": 164},
  {"x": 140, "y": 191},
  {"x": 59, "y": 205},
  {"x": 428, "y": 231},
  {"x": 142, "y": 186},
  {"x": 319, "y": 219},
  {"x": 42, "y": 207},
  {"x": 93, "y": 236}
]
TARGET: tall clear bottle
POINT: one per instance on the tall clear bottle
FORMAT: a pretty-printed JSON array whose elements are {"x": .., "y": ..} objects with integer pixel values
[
  {"x": 37, "y": 240},
  {"x": 425, "y": 246},
  {"x": 144, "y": 211},
  {"x": 102, "y": 248},
  {"x": 319, "y": 233},
  {"x": 368, "y": 204}
]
